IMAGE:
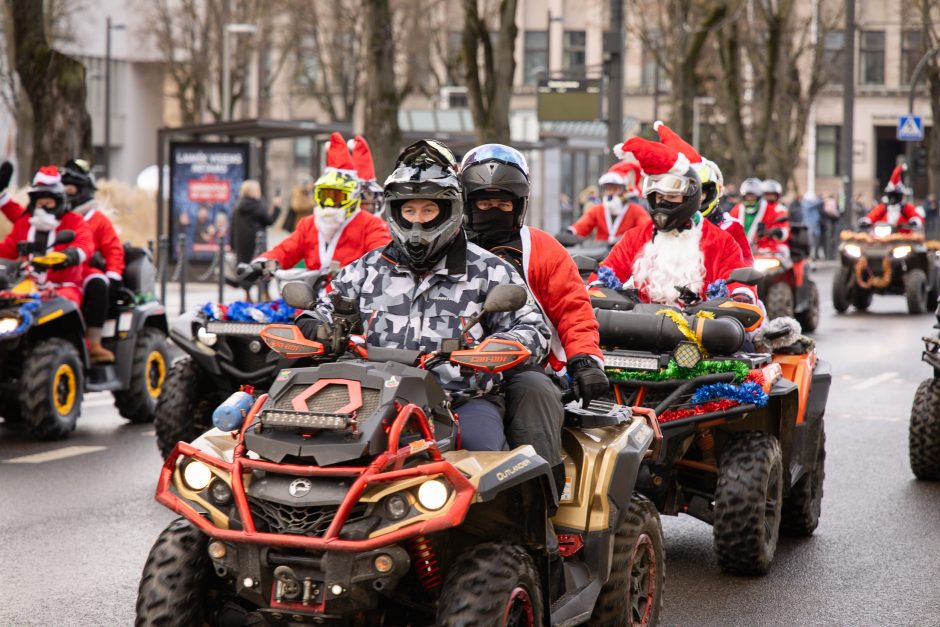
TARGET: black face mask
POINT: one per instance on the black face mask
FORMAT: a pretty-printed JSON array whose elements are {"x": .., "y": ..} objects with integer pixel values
[{"x": 493, "y": 227}]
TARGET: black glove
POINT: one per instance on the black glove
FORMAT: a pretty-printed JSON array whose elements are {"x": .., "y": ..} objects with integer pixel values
[
  {"x": 23, "y": 248},
  {"x": 590, "y": 382},
  {"x": 97, "y": 261},
  {"x": 761, "y": 230},
  {"x": 313, "y": 328},
  {"x": 72, "y": 258},
  {"x": 6, "y": 174},
  {"x": 777, "y": 234}
]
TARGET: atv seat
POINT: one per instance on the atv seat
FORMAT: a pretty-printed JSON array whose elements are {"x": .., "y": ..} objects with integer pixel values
[{"x": 139, "y": 273}]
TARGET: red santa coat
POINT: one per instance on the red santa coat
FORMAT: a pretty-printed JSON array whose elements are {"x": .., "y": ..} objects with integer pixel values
[
  {"x": 720, "y": 252},
  {"x": 597, "y": 220},
  {"x": 772, "y": 215},
  {"x": 736, "y": 230},
  {"x": 906, "y": 218},
  {"x": 554, "y": 281},
  {"x": 68, "y": 280},
  {"x": 107, "y": 243},
  {"x": 359, "y": 234}
]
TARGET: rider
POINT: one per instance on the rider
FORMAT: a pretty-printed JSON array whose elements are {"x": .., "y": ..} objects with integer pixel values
[
  {"x": 614, "y": 215},
  {"x": 105, "y": 267},
  {"x": 370, "y": 189},
  {"x": 495, "y": 181},
  {"x": 419, "y": 290},
  {"x": 679, "y": 248},
  {"x": 338, "y": 230},
  {"x": 47, "y": 213},
  {"x": 892, "y": 208},
  {"x": 765, "y": 220}
]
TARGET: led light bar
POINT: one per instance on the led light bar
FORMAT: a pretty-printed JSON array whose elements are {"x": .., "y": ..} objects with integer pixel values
[
  {"x": 281, "y": 419},
  {"x": 631, "y": 362},
  {"x": 234, "y": 328}
]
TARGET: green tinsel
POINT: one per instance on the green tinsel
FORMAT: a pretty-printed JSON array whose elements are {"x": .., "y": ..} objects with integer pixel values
[{"x": 673, "y": 371}]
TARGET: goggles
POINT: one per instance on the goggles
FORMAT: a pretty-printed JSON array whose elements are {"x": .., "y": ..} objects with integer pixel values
[{"x": 670, "y": 184}]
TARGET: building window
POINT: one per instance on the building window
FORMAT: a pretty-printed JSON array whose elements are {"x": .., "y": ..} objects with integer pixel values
[
  {"x": 833, "y": 46},
  {"x": 575, "y": 45},
  {"x": 648, "y": 69},
  {"x": 912, "y": 49},
  {"x": 535, "y": 56},
  {"x": 303, "y": 147},
  {"x": 872, "y": 54},
  {"x": 827, "y": 151}
]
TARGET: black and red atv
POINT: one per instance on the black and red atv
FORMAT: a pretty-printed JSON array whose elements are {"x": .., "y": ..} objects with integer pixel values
[
  {"x": 924, "y": 435},
  {"x": 345, "y": 499},
  {"x": 787, "y": 288}
]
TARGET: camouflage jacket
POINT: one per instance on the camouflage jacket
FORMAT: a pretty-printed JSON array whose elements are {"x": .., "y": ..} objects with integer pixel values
[{"x": 402, "y": 310}]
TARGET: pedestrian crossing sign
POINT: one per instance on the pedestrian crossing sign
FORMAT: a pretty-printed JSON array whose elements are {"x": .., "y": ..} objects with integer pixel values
[{"x": 910, "y": 128}]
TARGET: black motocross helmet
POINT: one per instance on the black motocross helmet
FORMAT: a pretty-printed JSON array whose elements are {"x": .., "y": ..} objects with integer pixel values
[
  {"x": 48, "y": 184},
  {"x": 425, "y": 170},
  {"x": 671, "y": 216},
  {"x": 77, "y": 172},
  {"x": 499, "y": 169}
]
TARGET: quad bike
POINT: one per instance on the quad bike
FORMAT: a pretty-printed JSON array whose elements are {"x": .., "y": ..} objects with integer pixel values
[
  {"x": 924, "y": 433},
  {"x": 584, "y": 247},
  {"x": 221, "y": 356},
  {"x": 886, "y": 261},
  {"x": 787, "y": 288},
  {"x": 44, "y": 365},
  {"x": 345, "y": 499},
  {"x": 751, "y": 470}
]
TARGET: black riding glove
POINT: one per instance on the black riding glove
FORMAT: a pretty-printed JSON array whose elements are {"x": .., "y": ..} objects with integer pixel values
[
  {"x": 6, "y": 174},
  {"x": 777, "y": 234},
  {"x": 590, "y": 382},
  {"x": 23, "y": 248},
  {"x": 73, "y": 257},
  {"x": 761, "y": 230},
  {"x": 313, "y": 328}
]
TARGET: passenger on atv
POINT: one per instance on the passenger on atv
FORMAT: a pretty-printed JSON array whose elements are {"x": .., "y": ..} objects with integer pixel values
[
  {"x": 416, "y": 291},
  {"x": 893, "y": 210}
]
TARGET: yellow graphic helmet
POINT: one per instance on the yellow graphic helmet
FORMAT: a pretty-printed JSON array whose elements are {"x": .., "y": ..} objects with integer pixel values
[
  {"x": 712, "y": 184},
  {"x": 337, "y": 190}
]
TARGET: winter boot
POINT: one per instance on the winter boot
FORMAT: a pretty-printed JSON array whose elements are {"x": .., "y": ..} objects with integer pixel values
[{"x": 97, "y": 353}]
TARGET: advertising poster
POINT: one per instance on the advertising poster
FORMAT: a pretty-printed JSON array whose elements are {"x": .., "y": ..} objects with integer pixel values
[{"x": 204, "y": 182}]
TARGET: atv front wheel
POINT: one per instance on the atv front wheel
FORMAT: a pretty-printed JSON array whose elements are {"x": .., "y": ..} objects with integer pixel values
[
  {"x": 915, "y": 289},
  {"x": 779, "y": 301},
  {"x": 182, "y": 413},
  {"x": 809, "y": 318},
  {"x": 748, "y": 502},
  {"x": 51, "y": 388},
  {"x": 491, "y": 585},
  {"x": 174, "y": 582},
  {"x": 841, "y": 284},
  {"x": 802, "y": 507},
  {"x": 148, "y": 371},
  {"x": 924, "y": 433},
  {"x": 634, "y": 593}
]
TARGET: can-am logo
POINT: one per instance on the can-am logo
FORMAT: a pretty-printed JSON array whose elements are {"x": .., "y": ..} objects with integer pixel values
[
  {"x": 299, "y": 487},
  {"x": 506, "y": 474}
]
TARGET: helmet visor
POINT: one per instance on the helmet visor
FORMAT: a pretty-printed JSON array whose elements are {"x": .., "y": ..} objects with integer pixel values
[
  {"x": 669, "y": 184},
  {"x": 496, "y": 152},
  {"x": 329, "y": 197}
]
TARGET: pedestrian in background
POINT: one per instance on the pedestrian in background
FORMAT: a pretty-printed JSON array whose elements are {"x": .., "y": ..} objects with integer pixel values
[
  {"x": 932, "y": 212},
  {"x": 301, "y": 204},
  {"x": 829, "y": 225},
  {"x": 250, "y": 217},
  {"x": 812, "y": 207}
]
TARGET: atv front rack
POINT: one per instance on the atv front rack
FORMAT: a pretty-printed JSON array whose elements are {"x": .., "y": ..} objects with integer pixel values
[{"x": 385, "y": 468}]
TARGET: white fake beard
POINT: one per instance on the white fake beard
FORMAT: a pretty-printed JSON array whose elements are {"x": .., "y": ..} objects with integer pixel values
[
  {"x": 893, "y": 214},
  {"x": 328, "y": 221},
  {"x": 613, "y": 204},
  {"x": 42, "y": 220},
  {"x": 672, "y": 258}
]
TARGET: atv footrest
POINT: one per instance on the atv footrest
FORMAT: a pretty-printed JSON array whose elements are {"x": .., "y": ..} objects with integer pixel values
[
  {"x": 103, "y": 378},
  {"x": 597, "y": 414}
]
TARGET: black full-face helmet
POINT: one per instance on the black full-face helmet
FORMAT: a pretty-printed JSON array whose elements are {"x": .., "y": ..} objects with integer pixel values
[
  {"x": 495, "y": 170},
  {"x": 670, "y": 216},
  {"x": 77, "y": 172},
  {"x": 425, "y": 170}
]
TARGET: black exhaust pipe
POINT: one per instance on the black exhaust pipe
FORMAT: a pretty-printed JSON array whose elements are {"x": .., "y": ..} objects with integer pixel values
[{"x": 658, "y": 333}]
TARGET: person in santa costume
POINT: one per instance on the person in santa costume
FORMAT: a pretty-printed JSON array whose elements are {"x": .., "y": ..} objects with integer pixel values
[
  {"x": 615, "y": 214},
  {"x": 766, "y": 220},
  {"x": 495, "y": 180},
  {"x": 370, "y": 190},
  {"x": 339, "y": 230},
  {"x": 679, "y": 247},
  {"x": 712, "y": 186},
  {"x": 892, "y": 209},
  {"x": 47, "y": 214}
]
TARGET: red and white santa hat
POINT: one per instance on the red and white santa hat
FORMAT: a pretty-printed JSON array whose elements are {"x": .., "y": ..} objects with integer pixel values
[
  {"x": 362, "y": 159},
  {"x": 672, "y": 139},
  {"x": 630, "y": 171},
  {"x": 655, "y": 158},
  {"x": 895, "y": 183},
  {"x": 338, "y": 157},
  {"x": 47, "y": 175}
]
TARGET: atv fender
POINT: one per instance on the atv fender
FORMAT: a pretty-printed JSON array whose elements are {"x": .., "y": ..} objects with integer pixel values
[
  {"x": 521, "y": 465},
  {"x": 60, "y": 317},
  {"x": 806, "y": 434},
  {"x": 150, "y": 314},
  {"x": 181, "y": 332}
]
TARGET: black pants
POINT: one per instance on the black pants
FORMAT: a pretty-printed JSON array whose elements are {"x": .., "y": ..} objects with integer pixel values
[
  {"x": 95, "y": 301},
  {"x": 535, "y": 414}
]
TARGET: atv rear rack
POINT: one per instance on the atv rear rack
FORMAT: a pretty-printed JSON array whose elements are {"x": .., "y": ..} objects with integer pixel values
[{"x": 385, "y": 468}]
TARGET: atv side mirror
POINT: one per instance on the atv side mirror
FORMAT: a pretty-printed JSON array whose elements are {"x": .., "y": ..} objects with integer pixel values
[
  {"x": 65, "y": 236},
  {"x": 505, "y": 298},
  {"x": 299, "y": 295},
  {"x": 586, "y": 265},
  {"x": 746, "y": 275}
]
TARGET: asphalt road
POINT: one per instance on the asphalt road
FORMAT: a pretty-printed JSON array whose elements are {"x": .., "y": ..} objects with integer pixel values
[{"x": 77, "y": 520}]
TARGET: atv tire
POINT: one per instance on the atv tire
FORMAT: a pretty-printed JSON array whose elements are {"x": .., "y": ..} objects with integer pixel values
[
  {"x": 491, "y": 585},
  {"x": 779, "y": 301},
  {"x": 861, "y": 298},
  {"x": 809, "y": 318},
  {"x": 174, "y": 583},
  {"x": 52, "y": 384},
  {"x": 634, "y": 593},
  {"x": 748, "y": 501},
  {"x": 802, "y": 507},
  {"x": 915, "y": 289},
  {"x": 183, "y": 412},
  {"x": 924, "y": 434},
  {"x": 148, "y": 373},
  {"x": 841, "y": 285}
]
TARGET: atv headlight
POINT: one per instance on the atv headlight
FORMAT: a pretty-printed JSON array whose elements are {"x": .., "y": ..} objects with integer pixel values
[
  {"x": 196, "y": 475},
  {"x": 853, "y": 250},
  {"x": 432, "y": 494},
  {"x": 766, "y": 264},
  {"x": 8, "y": 324},
  {"x": 901, "y": 251}
]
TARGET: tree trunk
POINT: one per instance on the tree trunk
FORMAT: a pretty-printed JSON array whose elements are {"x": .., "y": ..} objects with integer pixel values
[
  {"x": 381, "y": 97},
  {"x": 55, "y": 86},
  {"x": 490, "y": 94}
]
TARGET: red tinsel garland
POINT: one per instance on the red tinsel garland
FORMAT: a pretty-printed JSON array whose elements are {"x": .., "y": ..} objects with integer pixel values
[{"x": 698, "y": 410}]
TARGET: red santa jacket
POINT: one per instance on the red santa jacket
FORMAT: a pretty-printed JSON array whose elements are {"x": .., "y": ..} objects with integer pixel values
[
  {"x": 721, "y": 254},
  {"x": 772, "y": 215},
  {"x": 553, "y": 279},
  {"x": 361, "y": 233},
  {"x": 23, "y": 231},
  {"x": 597, "y": 220},
  {"x": 736, "y": 230},
  {"x": 906, "y": 218},
  {"x": 107, "y": 243}
]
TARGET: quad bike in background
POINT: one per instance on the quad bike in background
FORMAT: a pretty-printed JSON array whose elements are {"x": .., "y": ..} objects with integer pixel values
[
  {"x": 345, "y": 499},
  {"x": 924, "y": 430},
  {"x": 787, "y": 288},
  {"x": 886, "y": 261},
  {"x": 44, "y": 365},
  {"x": 585, "y": 247},
  {"x": 221, "y": 356},
  {"x": 743, "y": 439}
]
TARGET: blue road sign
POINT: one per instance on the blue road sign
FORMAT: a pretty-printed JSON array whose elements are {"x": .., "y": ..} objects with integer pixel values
[{"x": 910, "y": 128}]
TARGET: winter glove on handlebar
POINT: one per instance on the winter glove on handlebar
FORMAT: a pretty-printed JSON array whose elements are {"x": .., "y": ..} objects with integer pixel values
[
  {"x": 588, "y": 377},
  {"x": 761, "y": 230},
  {"x": 777, "y": 234},
  {"x": 73, "y": 257}
]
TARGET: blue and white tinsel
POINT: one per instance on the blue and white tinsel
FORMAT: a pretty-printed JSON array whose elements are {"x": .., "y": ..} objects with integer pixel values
[
  {"x": 718, "y": 289},
  {"x": 241, "y": 311},
  {"x": 606, "y": 276},
  {"x": 747, "y": 392},
  {"x": 25, "y": 313}
]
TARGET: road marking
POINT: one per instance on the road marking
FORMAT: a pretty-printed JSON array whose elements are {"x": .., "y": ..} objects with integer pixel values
[
  {"x": 875, "y": 380},
  {"x": 148, "y": 434},
  {"x": 50, "y": 456}
]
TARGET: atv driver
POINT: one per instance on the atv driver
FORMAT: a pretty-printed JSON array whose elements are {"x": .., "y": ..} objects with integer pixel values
[{"x": 892, "y": 209}]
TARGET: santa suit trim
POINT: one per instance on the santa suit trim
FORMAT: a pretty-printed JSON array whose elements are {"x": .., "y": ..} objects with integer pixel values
[
  {"x": 758, "y": 219},
  {"x": 612, "y": 229},
  {"x": 328, "y": 249}
]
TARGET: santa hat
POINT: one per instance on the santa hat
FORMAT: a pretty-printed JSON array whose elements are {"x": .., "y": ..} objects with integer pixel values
[
  {"x": 670, "y": 138},
  {"x": 362, "y": 159},
  {"x": 895, "y": 182},
  {"x": 624, "y": 169},
  {"x": 337, "y": 155},
  {"x": 656, "y": 158},
  {"x": 47, "y": 175}
]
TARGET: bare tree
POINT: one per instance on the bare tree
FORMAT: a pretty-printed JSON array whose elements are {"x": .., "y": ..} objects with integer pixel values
[
  {"x": 929, "y": 13},
  {"x": 382, "y": 96}
]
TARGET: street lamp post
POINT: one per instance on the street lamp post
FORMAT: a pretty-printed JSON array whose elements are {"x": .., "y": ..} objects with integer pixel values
[
  {"x": 226, "y": 78},
  {"x": 107, "y": 97},
  {"x": 698, "y": 100}
]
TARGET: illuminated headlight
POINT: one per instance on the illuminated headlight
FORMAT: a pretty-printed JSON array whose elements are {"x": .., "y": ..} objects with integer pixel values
[
  {"x": 303, "y": 420},
  {"x": 852, "y": 250},
  {"x": 432, "y": 494},
  {"x": 766, "y": 264},
  {"x": 196, "y": 475},
  {"x": 687, "y": 355},
  {"x": 8, "y": 324},
  {"x": 209, "y": 339},
  {"x": 631, "y": 363},
  {"x": 901, "y": 251},
  {"x": 883, "y": 230}
]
